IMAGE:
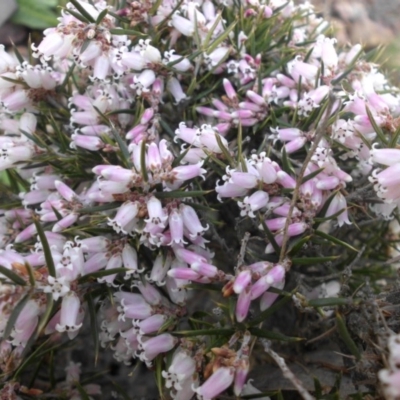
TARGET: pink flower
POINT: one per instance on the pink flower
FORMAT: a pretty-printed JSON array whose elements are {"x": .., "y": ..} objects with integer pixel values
[
  {"x": 219, "y": 381},
  {"x": 69, "y": 316}
]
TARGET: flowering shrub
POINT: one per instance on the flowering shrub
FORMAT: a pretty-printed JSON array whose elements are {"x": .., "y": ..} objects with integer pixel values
[{"x": 168, "y": 166}]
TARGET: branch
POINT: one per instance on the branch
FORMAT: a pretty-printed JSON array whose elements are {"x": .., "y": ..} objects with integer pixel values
[{"x": 287, "y": 373}]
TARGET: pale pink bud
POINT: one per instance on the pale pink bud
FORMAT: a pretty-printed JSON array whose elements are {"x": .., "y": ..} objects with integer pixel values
[
  {"x": 34, "y": 197},
  {"x": 242, "y": 281},
  {"x": 50, "y": 44},
  {"x": 244, "y": 179},
  {"x": 149, "y": 293},
  {"x": 297, "y": 228},
  {"x": 65, "y": 191},
  {"x": 184, "y": 273},
  {"x": 337, "y": 204},
  {"x": 275, "y": 224},
  {"x": 327, "y": 183},
  {"x": 160, "y": 268},
  {"x": 182, "y": 25},
  {"x": 156, "y": 213},
  {"x": 92, "y": 143},
  {"x": 268, "y": 298},
  {"x": 94, "y": 244},
  {"x": 267, "y": 172},
  {"x": 133, "y": 60},
  {"x": 229, "y": 89},
  {"x": 243, "y": 304},
  {"x": 125, "y": 219},
  {"x": 147, "y": 116},
  {"x": 241, "y": 373},
  {"x": 174, "y": 87},
  {"x": 295, "y": 145},
  {"x": 188, "y": 256},
  {"x": 139, "y": 310},
  {"x": 65, "y": 222},
  {"x": 26, "y": 234},
  {"x": 253, "y": 203},
  {"x": 70, "y": 307},
  {"x": 95, "y": 263},
  {"x": 129, "y": 260},
  {"x": 153, "y": 161},
  {"x": 205, "y": 269},
  {"x": 176, "y": 226},
  {"x": 387, "y": 157},
  {"x": 186, "y": 172},
  {"x": 219, "y": 381},
  {"x": 152, "y": 324},
  {"x": 255, "y": 98},
  {"x": 157, "y": 345},
  {"x": 230, "y": 190},
  {"x": 286, "y": 180}
]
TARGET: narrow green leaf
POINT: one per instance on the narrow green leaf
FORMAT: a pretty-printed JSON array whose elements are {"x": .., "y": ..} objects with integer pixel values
[
  {"x": 12, "y": 276},
  {"x": 221, "y": 37},
  {"x": 286, "y": 163},
  {"x": 44, "y": 319},
  {"x": 180, "y": 194},
  {"x": 159, "y": 378},
  {"x": 101, "y": 16},
  {"x": 269, "y": 235},
  {"x": 313, "y": 260},
  {"x": 376, "y": 127},
  {"x": 82, "y": 391},
  {"x": 120, "y": 391},
  {"x": 121, "y": 143},
  {"x": 29, "y": 269},
  {"x": 335, "y": 240},
  {"x": 395, "y": 138},
  {"x": 15, "y": 81},
  {"x": 93, "y": 325},
  {"x": 95, "y": 209},
  {"x": 329, "y": 301},
  {"x": 78, "y": 16},
  {"x": 345, "y": 336},
  {"x": 240, "y": 159},
  {"x": 46, "y": 248},
  {"x": 82, "y": 10},
  {"x": 66, "y": 79},
  {"x": 129, "y": 32},
  {"x": 205, "y": 332},
  {"x": 143, "y": 166},
  {"x": 269, "y": 311},
  {"x": 210, "y": 32},
  {"x": 129, "y": 111},
  {"x": 225, "y": 151},
  {"x": 32, "y": 356},
  {"x": 311, "y": 175},
  {"x": 102, "y": 273},
  {"x": 262, "y": 333},
  {"x": 58, "y": 215},
  {"x": 166, "y": 126},
  {"x": 297, "y": 245},
  {"x": 166, "y": 325},
  {"x": 14, "y": 315}
]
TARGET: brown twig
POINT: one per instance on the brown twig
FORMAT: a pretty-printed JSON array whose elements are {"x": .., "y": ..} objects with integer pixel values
[{"x": 287, "y": 373}]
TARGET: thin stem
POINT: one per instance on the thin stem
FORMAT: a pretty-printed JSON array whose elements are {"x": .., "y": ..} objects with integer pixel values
[
  {"x": 287, "y": 373},
  {"x": 240, "y": 259}
]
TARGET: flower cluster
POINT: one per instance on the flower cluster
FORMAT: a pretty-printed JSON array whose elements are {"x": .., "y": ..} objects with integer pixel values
[{"x": 137, "y": 145}]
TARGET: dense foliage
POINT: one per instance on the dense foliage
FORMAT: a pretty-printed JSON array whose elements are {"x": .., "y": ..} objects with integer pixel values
[{"x": 181, "y": 179}]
